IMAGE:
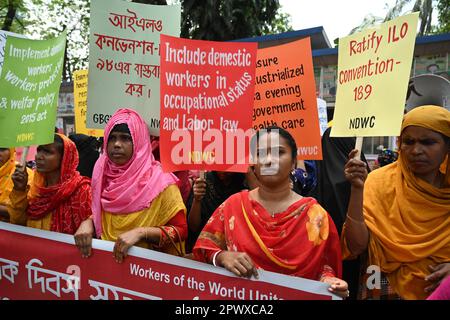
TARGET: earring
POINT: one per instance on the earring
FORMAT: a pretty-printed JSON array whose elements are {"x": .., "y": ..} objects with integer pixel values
[{"x": 294, "y": 177}]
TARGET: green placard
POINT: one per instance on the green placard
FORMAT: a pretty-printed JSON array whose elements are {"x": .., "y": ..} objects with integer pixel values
[{"x": 29, "y": 87}]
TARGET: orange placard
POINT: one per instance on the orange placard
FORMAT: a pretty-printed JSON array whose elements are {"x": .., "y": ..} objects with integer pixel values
[{"x": 285, "y": 95}]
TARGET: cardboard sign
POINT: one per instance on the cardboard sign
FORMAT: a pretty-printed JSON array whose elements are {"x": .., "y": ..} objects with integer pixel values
[
  {"x": 3, "y": 36},
  {"x": 80, "y": 86},
  {"x": 29, "y": 87},
  {"x": 206, "y": 104},
  {"x": 124, "y": 54},
  {"x": 285, "y": 95},
  {"x": 373, "y": 73}
]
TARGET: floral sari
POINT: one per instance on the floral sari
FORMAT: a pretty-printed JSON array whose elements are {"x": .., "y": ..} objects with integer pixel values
[{"x": 301, "y": 241}]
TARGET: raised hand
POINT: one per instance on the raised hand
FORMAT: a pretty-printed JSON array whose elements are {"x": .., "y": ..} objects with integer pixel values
[
  {"x": 355, "y": 171},
  {"x": 20, "y": 178},
  {"x": 199, "y": 189}
]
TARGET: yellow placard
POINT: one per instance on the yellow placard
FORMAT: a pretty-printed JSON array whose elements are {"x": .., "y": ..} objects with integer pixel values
[
  {"x": 373, "y": 72},
  {"x": 80, "y": 85}
]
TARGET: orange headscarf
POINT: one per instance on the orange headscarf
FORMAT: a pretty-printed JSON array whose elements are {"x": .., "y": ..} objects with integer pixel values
[{"x": 409, "y": 219}]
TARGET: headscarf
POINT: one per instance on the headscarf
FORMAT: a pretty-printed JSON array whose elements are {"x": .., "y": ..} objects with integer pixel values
[
  {"x": 434, "y": 118},
  {"x": 130, "y": 187},
  {"x": 87, "y": 150},
  {"x": 69, "y": 199},
  {"x": 408, "y": 218},
  {"x": 6, "y": 171}
]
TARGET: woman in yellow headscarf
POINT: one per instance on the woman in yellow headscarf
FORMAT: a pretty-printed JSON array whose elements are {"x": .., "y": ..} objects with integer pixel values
[
  {"x": 7, "y": 168},
  {"x": 400, "y": 216}
]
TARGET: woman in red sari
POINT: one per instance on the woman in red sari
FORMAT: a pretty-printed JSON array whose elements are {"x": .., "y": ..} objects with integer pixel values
[
  {"x": 59, "y": 198},
  {"x": 272, "y": 227}
]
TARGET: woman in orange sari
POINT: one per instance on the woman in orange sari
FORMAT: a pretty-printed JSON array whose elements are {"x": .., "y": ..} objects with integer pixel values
[
  {"x": 400, "y": 216},
  {"x": 272, "y": 227},
  {"x": 59, "y": 198}
]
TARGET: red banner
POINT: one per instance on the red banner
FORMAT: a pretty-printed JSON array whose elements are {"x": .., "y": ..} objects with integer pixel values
[
  {"x": 206, "y": 104},
  {"x": 36, "y": 264}
]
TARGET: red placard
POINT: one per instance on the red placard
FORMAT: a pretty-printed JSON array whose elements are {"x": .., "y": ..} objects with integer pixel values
[{"x": 206, "y": 104}]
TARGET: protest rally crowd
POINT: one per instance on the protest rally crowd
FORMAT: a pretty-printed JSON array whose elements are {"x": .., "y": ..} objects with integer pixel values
[
  {"x": 396, "y": 217},
  {"x": 368, "y": 234}
]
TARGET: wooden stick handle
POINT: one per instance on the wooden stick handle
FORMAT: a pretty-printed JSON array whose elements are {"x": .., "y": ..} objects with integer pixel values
[
  {"x": 358, "y": 146},
  {"x": 23, "y": 159}
]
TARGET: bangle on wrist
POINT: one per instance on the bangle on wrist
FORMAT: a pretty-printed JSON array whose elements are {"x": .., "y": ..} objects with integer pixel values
[
  {"x": 214, "y": 257},
  {"x": 144, "y": 231},
  {"x": 354, "y": 220}
]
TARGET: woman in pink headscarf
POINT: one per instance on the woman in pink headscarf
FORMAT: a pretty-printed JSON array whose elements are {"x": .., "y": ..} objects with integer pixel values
[{"x": 133, "y": 201}]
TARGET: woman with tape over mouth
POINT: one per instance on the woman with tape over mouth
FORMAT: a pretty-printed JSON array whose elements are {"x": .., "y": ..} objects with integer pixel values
[
  {"x": 271, "y": 227},
  {"x": 133, "y": 201}
]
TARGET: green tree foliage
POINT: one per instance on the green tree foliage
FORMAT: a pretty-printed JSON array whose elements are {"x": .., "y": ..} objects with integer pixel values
[
  {"x": 12, "y": 15},
  {"x": 443, "y": 7},
  {"x": 223, "y": 20},
  {"x": 160, "y": 2},
  {"x": 281, "y": 23},
  {"x": 51, "y": 17},
  {"x": 425, "y": 8},
  {"x": 201, "y": 19}
]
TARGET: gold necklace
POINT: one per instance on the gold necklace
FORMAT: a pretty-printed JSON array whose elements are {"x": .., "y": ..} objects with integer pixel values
[{"x": 273, "y": 213}]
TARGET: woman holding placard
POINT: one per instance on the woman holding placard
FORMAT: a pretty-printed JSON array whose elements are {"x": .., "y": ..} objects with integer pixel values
[
  {"x": 7, "y": 168},
  {"x": 400, "y": 216},
  {"x": 133, "y": 201},
  {"x": 272, "y": 227},
  {"x": 59, "y": 198}
]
